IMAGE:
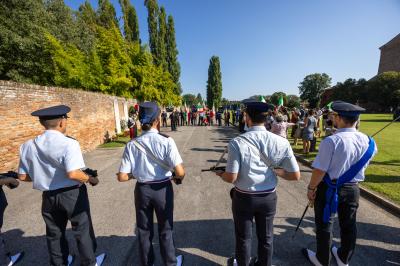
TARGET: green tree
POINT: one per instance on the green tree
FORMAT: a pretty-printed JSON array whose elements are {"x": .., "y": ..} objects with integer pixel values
[
  {"x": 199, "y": 99},
  {"x": 87, "y": 14},
  {"x": 214, "y": 82},
  {"x": 351, "y": 90},
  {"x": 312, "y": 86},
  {"x": 61, "y": 23},
  {"x": 276, "y": 96},
  {"x": 131, "y": 23},
  {"x": 174, "y": 67},
  {"x": 189, "y": 99},
  {"x": 23, "y": 56},
  {"x": 161, "y": 57},
  {"x": 293, "y": 101},
  {"x": 45, "y": 42},
  {"x": 86, "y": 27},
  {"x": 383, "y": 90},
  {"x": 152, "y": 9},
  {"x": 106, "y": 15}
]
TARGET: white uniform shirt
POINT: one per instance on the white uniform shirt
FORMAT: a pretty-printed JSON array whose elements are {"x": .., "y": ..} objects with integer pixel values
[
  {"x": 48, "y": 161},
  {"x": 144, "y": 168},
  {"x": 337, "y": 153},
  {"x": 253, "y": 174}
]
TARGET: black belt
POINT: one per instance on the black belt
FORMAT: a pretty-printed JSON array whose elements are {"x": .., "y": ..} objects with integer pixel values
[
  {"x": 156, "y": 181},
  {"x": 346, "y": 184},
  {"x": 60, "y": 190}
]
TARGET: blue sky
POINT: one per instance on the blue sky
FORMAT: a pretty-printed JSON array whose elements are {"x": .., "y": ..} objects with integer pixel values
[{"x": 267, "y": 46}]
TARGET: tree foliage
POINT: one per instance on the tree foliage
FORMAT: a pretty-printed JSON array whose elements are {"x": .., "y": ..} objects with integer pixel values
[
  {"x": 189, "y": 99},
  {"x": 45, "y": 42},
  {"x": 23, "y": 56},
  {"x": 152, "y": 10},
  {"x": 379, "y": 94},
  {"x": 199, "y": 98},
  {"x": 106, "y": 15},
  {"x": 276, "y": 96},
  {"x": 384, "y": 90},
  {"x": 131, "y": 23},
  {"x": 161, "y": 55},
  {"x": 293, "y": 101},
  {"x": 351, "y": 90},
  {"x": 174, "y": 67},
  {"x": 311, "y": 87},
  {"x": 214, "y": 82}
]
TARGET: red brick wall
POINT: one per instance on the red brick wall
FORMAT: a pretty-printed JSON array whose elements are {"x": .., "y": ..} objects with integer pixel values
[
  {"x": 92, "y": 116},
  {"x": 390, "y": 56}
]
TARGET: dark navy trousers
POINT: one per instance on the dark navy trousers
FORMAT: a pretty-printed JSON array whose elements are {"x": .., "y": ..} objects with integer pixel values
[
  {"x": 58, "y": 207},
  {"x": 347, "y": 211},
  {"x": 261, "y": 208},
  {"x": 4, "y": 260},
  {"x": 158, "y": 198}
]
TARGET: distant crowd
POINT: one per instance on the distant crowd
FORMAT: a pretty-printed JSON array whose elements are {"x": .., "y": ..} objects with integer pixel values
[{"x": 306, "y": 124}]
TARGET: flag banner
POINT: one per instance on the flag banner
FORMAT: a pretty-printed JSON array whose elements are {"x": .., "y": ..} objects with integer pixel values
[{"x": 280, "y": 102}]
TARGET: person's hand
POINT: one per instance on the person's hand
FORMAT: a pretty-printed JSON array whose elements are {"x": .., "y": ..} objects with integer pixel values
[
  {"x": 219, "y": 173},
  {"x": 311, "y": 194},
  {"x": 279, "y": 172},
  {"x": 11, "y": 182}
]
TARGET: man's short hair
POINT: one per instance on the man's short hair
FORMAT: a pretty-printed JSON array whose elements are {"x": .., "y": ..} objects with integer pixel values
[
  {"x": 349, "y": 120},
  {"x": 50, "y": 123},
  {"x": 256, "y": 116}
]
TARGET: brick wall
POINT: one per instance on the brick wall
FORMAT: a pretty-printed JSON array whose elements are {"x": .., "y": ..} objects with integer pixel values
[
  {"x": 92, "y": 116},
  {"x": 390, "y": 56}
]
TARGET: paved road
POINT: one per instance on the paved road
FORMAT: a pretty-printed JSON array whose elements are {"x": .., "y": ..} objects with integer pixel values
[{"x": 203, "y": 227}]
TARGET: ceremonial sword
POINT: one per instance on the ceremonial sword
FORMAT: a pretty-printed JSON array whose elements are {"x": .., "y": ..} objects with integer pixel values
[{"x": 310, "y": 204}]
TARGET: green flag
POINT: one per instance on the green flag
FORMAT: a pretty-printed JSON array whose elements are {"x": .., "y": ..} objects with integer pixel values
[
  {"x": 280, "y": 102},
  {"x": 262, "y": 99},
  {"x": 329, "y": 105}
]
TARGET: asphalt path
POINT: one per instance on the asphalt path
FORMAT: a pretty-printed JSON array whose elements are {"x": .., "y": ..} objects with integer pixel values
[{"x": 203, "y": 220}]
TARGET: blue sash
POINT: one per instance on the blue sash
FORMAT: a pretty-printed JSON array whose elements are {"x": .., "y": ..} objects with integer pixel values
[{"x": 331, "y": 195}]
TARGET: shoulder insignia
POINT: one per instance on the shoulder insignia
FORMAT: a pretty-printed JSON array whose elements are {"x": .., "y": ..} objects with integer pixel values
[
  {"x": 71, "y": 137},
  {"x": 164, "y": 135}
]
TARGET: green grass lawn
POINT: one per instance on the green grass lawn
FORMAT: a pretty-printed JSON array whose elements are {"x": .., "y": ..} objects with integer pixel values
[
  {"x": 383, "y": 174},
  {"x": 117, "y": 143}
]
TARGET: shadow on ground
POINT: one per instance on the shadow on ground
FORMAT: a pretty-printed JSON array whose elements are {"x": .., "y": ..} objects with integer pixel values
[{"x": 201, "y": 241}]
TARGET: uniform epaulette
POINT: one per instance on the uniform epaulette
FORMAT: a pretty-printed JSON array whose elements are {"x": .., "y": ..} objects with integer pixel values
[
  {"x": 164, "y": 135},
  {"x": 71, "y": 137}
]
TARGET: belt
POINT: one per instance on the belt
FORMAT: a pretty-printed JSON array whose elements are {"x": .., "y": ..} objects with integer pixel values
[
  {"x": 60, "y": 190},
  {"x": 156, "y": 181},
  {"x": 345, "y": 184},
  {"x": 255, "y": 192}
]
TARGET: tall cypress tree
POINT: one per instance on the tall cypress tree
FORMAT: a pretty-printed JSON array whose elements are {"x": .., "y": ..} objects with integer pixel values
[
  {"x": 162, "y": 32},
  {"x": 214, "y": 82},
  {"x": 106, "y": 14},
  {"x": 131, "y": 24},
  {"x": 174, "y": 67},
  {"x": 152, "y": 9}
]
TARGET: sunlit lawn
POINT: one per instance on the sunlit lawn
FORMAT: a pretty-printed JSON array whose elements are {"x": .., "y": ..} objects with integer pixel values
[
  {"x": 383, "y": 174},
  {"x": 118, "y": 142}
]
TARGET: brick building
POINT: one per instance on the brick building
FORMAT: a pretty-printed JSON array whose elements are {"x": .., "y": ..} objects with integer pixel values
[{"x": 390, "y": 56}]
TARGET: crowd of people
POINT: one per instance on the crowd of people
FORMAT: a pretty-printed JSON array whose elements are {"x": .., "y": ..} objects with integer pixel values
[
  {"x": 196, "y": 117},
  {"x": 306, "y": 124}
]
